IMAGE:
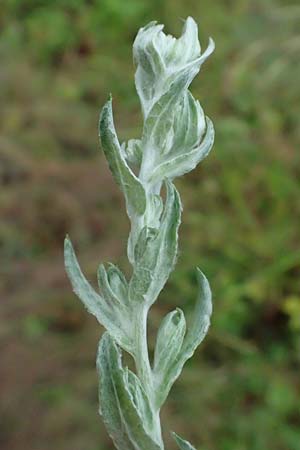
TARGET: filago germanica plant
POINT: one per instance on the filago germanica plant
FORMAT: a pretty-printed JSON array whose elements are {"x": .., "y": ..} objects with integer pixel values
[{"x": 176, "y": 136}]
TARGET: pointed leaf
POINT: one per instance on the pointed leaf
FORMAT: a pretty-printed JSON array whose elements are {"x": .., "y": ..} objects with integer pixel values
[
  {"x": 113, "y": 286},
  {"x": 168, "y": 345},
  {"x": 173, "y": 131},
  {"x": 185, "y": 162},
  {"x": 161, "y": 116},
  {"x": 160, "y": 57},
  {"x": 147, "y": 236},
  {"x": 157, "y": 257},
  {"x": 201, "y": 318},
  {"x": 151, "y": 217},
  {"x": 134, "y": 152},
  {"x": 118, "y": 283},
  {"x": 182, "y": 444},
  {"x": 188, "y": 126},
  {"x": 128, "y": 182},
  {"x": 141, "y": 401},
  {"x": 117, "y": 407},
  {"x": 169, "y": 340},
  {"x": 99, "y": 306},
  {"x": 194, "y": 336}
]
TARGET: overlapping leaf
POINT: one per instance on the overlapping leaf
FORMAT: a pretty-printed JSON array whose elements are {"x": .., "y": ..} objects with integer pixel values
[
  {"x": 140, "y": 400},
  {"x": 176, "y": 137},
  {"x": 195, "y": 334},
  {"x": 130, "y": 185},
  {"x": 161, "y": 117},
  {"x": 133, "y": 152},
  {"x": 160, "y": 57},
  {"x": 150, "y": 219},
  {"x": 174, "y": 141},
  {"x": 107, "y": 308},
  {"x": 167, "y": 350},
  {"x": 178, "y": 164},
  {"x": 155, "y": 252},
  {"x": 118, "y": 405}
]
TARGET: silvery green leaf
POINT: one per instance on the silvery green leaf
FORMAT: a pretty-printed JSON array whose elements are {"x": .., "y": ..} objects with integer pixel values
[
  {"x": 117, "y": 282},
  {"x": 117, "y": 407},
  {"x": 172, "y": 140},
  {"x": 151, "y": 219},
  {"x": 169, "y": 340},
  {"x": 176, "y": 137},
  {"x": 144, "y": 264},
  {"x": 177, "y": 52},
  {"x": 133, "y": 152},
  {"x": 188, "y": 126},
  {"x": 107, "y": 311},
  {"x": 191, "y": 67},
  {"x": 182, "y": 444},
  {"x": 200, "y": 319},
  {"x": 159, "y": 57},
  {"x": 147, "y": 236},
  {"x": 195, "y": 334},
  {"x": 168, "y": 345},
  {"x": 154, "y": 210},
  {"x": 112, "y": 292},
  {"x": 156, "y": 252},
  {"x": 141, "y": 401},
  {"x": 161, "y": 116},
  {"x": 150, "y": 65},
  {"x": 175, "y": 165},
  {"x": 128, "y": 182}
]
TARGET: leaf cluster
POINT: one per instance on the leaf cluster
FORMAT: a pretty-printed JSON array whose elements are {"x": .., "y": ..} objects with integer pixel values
[{"x": 176, "y": 137}]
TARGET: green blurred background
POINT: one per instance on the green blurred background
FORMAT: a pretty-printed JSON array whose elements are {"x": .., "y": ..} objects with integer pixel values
[{"x": 59, "y": 61}]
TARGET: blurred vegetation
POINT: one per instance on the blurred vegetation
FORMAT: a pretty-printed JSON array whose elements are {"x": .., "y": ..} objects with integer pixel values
[{"x": 59, "y": 61}]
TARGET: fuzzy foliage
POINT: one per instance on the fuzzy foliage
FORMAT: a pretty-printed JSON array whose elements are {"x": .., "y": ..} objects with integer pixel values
[{"x": 176, "y": 137}]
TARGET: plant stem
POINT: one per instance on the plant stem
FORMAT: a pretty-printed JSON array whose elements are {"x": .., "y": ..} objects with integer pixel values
[
  {"x": 143, "y": 367},
  {"x": 142, "y": 355}
]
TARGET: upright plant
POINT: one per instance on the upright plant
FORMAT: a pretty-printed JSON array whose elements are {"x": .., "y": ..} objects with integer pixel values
[{"x": 176, "y": 137}]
